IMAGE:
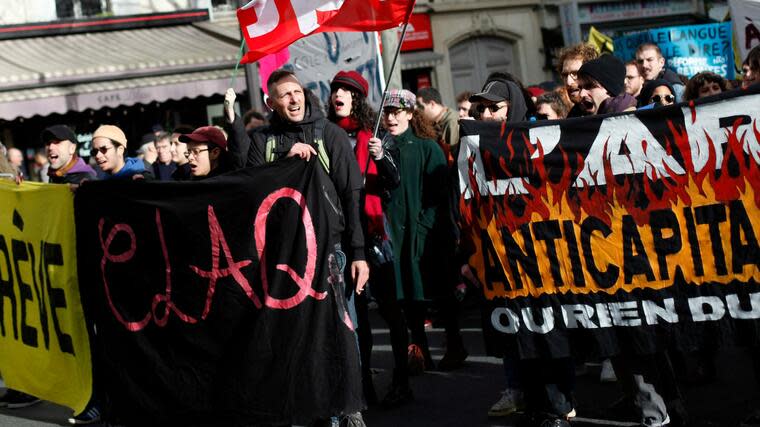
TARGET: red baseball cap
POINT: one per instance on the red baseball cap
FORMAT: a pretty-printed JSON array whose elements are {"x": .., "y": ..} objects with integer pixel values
[{"x": 207, "y": 134}]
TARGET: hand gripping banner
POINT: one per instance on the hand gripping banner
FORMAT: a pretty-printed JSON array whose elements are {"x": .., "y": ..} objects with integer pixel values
[
  {"x": 626, "y": 232},
  {"x": 219, "y": 302}
]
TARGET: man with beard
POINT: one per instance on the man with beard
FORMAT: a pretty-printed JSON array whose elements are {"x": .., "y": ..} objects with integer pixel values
[
  {"x": 298, "y": 128},
  {"x": 570, "y": 60},
  {"x": 649, "y": 56},
  {"x": 634, "y": 78},
  {"x": 66, "y": 167}
]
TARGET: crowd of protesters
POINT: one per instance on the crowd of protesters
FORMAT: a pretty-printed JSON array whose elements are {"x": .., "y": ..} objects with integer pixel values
[{"x": 400, "y": 234}]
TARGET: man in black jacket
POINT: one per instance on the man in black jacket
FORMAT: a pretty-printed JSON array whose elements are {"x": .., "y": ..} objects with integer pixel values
[
  {"x": 66, "y": 167},
  {"x": 298, "y": 128}
]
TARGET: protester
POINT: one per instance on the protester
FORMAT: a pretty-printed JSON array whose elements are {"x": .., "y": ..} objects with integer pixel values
[
  {"x": 656, "y": 93},
  {"x": 463, "y": 105},
  {"x": 500, "y": 100},
  {"x": 751, "y": 68},
  {"x": 705, "y": 84},
  {"x": 298, "y": 129},
  {"x": 253, "y": 119},
  {"x": 164, "y": 166},
  {"x": 207, "y": 152},
  {"x": 444, "y": 237},
  {"x": 66, "y": 167},
  {"x": 350, "y": 110},
  {"x": 16, "y": 158},
  {"x": 602, "y": 84},
  {"x": 634, "y": 78},
  {"x": 147, "y": 150},
  {"x": 550, "y": 106},
  {"x": 431, "y": 106},
  {"x": 293, "y": 131},
  {"x": 178, "y": 153},
  {"x": 570, "y": 60},
  {"x": 109, "y": 145},
  {"x": 649, "y": 56},
  {"x": 6, "y": 168},
  {"x": 40, "y": 167},
  {"x": 413, "y": 211}
]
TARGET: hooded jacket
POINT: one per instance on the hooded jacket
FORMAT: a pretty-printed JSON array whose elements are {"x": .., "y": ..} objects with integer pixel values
[
  {"x": 133, "y": 166},
  {"x": 675, "y": 82},
  {"x": 648, "y": 89},
  {"x": 518, "y": 109},
  {"x": 344, "y": 170},
  {"x": 75, "y": 174}
]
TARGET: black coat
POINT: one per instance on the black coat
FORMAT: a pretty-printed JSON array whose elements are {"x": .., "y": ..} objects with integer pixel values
[{"x": 344, "y": 170}]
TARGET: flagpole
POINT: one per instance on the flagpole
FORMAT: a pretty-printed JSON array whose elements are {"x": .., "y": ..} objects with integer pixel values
[{"x": 390, "y": 74}]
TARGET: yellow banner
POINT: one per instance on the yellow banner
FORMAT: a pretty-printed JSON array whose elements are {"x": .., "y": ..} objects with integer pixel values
[{"x": 43, "y": 336}]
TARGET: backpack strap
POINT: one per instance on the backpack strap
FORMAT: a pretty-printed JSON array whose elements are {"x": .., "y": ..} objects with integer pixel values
[
  {"x": 269, "y": 150},
  {"x": 319, "y": 131}
]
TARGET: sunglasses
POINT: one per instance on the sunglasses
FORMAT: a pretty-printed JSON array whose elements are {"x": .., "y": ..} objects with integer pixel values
[
  {"x": 492, "y": 108},
  {"x": 102, "y": 150},
  {"x": 668, "y": 99}
]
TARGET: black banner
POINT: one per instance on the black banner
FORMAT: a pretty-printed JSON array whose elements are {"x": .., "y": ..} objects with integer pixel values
[
  {"x": 219, "y": 302},
  {"x": 621, "y": 233}
]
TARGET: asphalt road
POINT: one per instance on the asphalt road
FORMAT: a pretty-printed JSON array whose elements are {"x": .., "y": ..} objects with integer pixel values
[{"x": 462, "y": 398}]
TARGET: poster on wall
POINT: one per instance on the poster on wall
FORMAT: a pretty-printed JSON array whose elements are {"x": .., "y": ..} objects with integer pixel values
[
  {"x": 745, "y": 15},
  {"x": 688, "y": 49},
  {"x": 317, "y": 58}
]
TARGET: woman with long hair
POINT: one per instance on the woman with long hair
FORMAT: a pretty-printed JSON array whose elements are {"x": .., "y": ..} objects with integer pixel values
[
  {"x": 349, "y": 109},
  {"x": 414, "y": 209}
]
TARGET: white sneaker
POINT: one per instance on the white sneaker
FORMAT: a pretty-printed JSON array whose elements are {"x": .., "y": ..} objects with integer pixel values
[
  {"x": 608, "y": 372},
  {"x": 511, "y": 401}
]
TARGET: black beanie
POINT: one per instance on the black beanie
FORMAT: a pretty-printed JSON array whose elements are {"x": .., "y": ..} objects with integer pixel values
[{"x": 608, "y": 70}]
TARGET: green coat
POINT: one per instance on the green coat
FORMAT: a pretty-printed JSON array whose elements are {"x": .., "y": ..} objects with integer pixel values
[{"x": 412, "y": 211}]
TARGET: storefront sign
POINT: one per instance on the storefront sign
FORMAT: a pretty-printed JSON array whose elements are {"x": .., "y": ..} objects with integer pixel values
[
  {"x": 687, "y": 49},
  {"x": 618, "y": 11},
  {"x": 419, "y": 34}
]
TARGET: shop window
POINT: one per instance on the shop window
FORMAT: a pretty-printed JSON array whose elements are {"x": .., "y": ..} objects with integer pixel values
[
  {"x": 222, "y": 5},
  {"x": 80, "y": 8}
]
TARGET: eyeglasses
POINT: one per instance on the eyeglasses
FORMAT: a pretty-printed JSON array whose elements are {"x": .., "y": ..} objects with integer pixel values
[
  {"x": 195, "y": 153},
  {"x": 566, "y": 74},
  {"x": 392, "y": 111},
  {"x": 102, "y": 150},
  {"x": 669, "y": 99},
  {"x": 493, "y": 108}
]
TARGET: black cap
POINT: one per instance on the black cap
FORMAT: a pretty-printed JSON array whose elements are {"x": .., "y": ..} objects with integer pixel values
[
  {"x": 608, "y": 70},
  {"x": 58, "y": 133},
  {"x": 494, "y": 91}
]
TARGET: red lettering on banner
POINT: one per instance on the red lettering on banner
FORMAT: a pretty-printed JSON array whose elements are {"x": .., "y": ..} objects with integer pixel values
[
  {"x": 218, "y": 242},
  {"x": 233, "y": 269},
  {"x": 126, "y": 256},
  {"x": 304, "y": 283}
]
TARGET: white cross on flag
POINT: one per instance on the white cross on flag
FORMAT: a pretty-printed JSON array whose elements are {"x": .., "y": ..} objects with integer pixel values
[{"x": 271, "y": 25}]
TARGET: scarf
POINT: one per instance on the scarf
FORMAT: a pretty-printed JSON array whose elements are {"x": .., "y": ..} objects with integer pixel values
[{"x": 373, "y": 205}]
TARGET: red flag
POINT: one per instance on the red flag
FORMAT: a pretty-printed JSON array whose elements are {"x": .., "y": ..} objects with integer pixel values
[{"x": 271, "y": 25}]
